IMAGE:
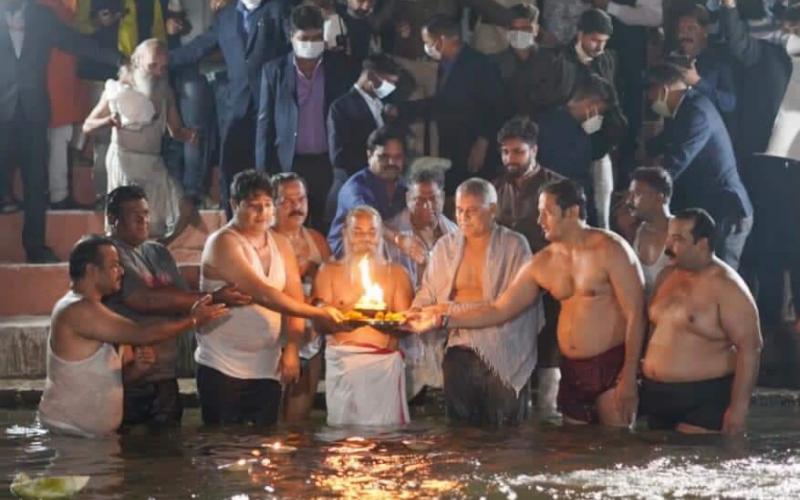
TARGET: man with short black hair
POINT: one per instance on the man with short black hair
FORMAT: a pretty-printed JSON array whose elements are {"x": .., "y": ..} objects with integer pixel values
[
  {"x": 601, "y": 324},
  {"x": 241, "y": 363},
  {"x": 297, "y": 90},
  {"x": 520, "y": 63},
  {"x": 566, "y": 134},
  {"x": 703, "y": 354},
  {"x": 152, "y": 288},
  {"x": 697, "y": 152},
  {"x": 518, "y": 209},
  {"x": 379, "y": 185},
  {"x": 467, "y": 106},
  {"x": 84, "y": 390},
  {"x": 648, "y": 200}
]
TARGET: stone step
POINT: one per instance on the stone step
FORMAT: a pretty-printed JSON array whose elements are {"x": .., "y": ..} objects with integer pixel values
[
  {"x": 65, "y": 227},
  {"x": 37, "y": 287},
  {"x": 23, "y": 348}
]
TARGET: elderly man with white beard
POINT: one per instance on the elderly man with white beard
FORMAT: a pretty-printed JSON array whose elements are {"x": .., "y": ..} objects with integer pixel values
[{"x": 140, "y": 107}]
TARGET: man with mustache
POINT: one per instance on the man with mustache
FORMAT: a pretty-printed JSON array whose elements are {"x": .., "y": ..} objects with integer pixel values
[
  {"x": 364, "y": 370},
  {"x": 310, "y": 250},
  {"x": 708, "y": 70},
  {"x": 648, "y": 200},
  {"x": 596, "y": 277},
  {"x": 702, "y": 358},
  {"x": 379, "y": 185},
  {"x": 140, "y": 107},
  {"x": 84, "y": 390}
]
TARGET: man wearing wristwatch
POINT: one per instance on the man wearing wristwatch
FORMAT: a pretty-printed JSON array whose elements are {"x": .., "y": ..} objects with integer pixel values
[
  {"x": 486, "y": 370},
  {"x": 597, "y": 279}
]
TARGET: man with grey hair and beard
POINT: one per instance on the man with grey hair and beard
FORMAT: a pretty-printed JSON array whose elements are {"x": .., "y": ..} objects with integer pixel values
[
  {"x": 486, "y": 370},
  {"x": 364, "y": 369},
  {"x": 140, "y": 107}
]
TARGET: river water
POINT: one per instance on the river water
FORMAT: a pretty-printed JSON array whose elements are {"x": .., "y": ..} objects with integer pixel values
[{"x": 426, "y": 459}]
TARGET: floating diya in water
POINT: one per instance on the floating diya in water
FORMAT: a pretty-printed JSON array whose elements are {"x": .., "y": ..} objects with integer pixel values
[{"x": 280, "y": 448}]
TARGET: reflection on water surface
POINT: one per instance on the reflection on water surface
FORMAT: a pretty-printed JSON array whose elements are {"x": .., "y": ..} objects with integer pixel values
[{"x": 424, "y": 460}]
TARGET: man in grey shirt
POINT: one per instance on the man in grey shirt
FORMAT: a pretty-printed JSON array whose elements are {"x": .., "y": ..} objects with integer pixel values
[{"x": 152, "y": 287}]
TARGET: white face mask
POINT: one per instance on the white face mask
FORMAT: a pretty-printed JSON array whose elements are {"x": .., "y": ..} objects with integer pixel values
[
  {"x": 433, "y": 52},
  {"x": 251, "y": 4},
  {"x": 660, "y": 105},
  {"x": 384, "y": 89},
  {"x": 521, "y": 40},
  {"x": 308, "y": 50},
  {"x": 593, "y": 124}
]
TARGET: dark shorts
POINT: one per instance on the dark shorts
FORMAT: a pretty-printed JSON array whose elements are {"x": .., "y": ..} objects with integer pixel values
[
  {"x": 156, "y": 403},
  {"x": 474, "y": 394},
  {"x": 229, "y": 400},
  {"x": 583, "y": 380},
  {"x": 702, "y": 403}
]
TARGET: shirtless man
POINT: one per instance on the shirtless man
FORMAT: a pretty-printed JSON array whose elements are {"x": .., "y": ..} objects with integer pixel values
[
  {"x": 596, "y": 277},
  {"x": 83, "y": 393},
  {"x": 365, "y": 372},
  {"x": 702, "y": 358},
  {"x": 486, "y": 370},
  {"x": 311, "y": 250},
  {"x": 240, "y": 361},
  {"x": 648, "y": 199}
]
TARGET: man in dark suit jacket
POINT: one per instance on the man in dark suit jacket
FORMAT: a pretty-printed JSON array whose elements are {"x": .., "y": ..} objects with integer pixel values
[
  {"x": 249, "y": 33},
  {"x": 296, "y": 93},
  {"x": 354, "y": 115},
  {"x": 698, "y": 154},
  {"x": 28, "y": 32},
  {"x": 467, "y": 106}
]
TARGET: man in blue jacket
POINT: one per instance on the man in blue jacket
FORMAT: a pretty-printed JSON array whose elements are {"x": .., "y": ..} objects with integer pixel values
[
  {"x": 249, "y": 33},
  {"x": 296, "y": 93},
  {"x": 698, "y": 154}
]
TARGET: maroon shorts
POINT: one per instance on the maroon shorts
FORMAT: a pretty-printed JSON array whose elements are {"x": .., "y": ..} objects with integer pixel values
[{"x": 583, "y": 380}]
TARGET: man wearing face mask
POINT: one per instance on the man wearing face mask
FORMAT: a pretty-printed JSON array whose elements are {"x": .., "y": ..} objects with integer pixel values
[
  {"x": 563, "y": 70},
  {"x": 768, "y": 147},
  {"x": 467, "y": 105},
  {"x": 566, "y": 133},
  {"x": 296, "y": 93},
  {"x": 697, "y": 152},
  {"x": 520, "y": 63},
  {"x": 248, "y": 33},
  {"x": 353, "y": 116}
]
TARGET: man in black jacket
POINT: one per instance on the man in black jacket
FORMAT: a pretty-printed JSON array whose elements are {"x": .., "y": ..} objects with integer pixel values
[
  {"x": 28, "y": 32},
  {"x": 467, "y": 106}
]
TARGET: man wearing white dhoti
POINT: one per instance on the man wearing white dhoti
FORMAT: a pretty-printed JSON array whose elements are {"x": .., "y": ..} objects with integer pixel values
[
  {"x": 365, "y": 371},
  {"x": 140, "y": 107}
]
